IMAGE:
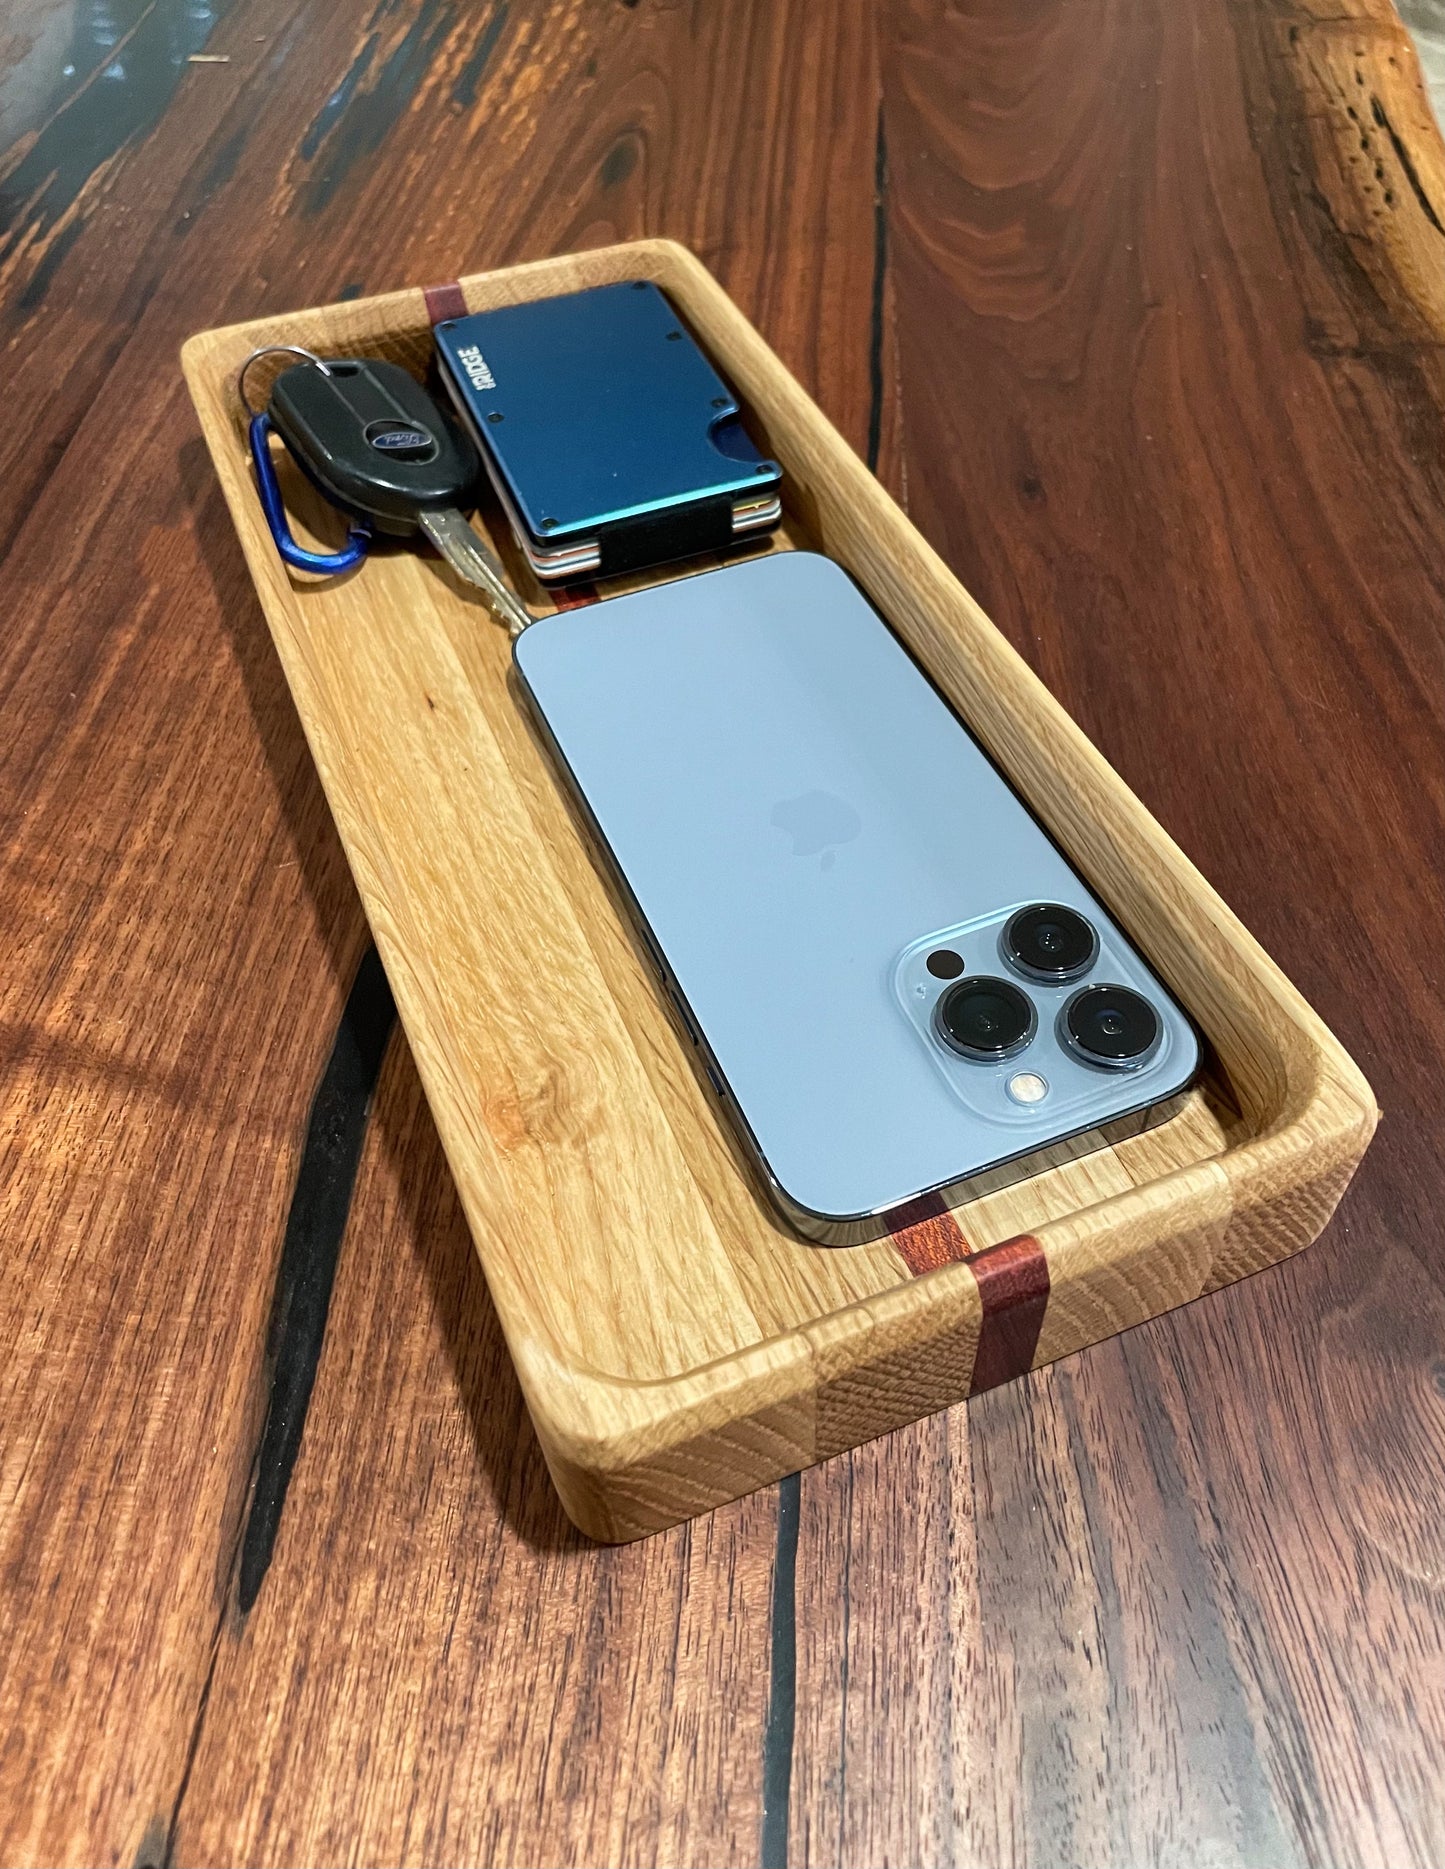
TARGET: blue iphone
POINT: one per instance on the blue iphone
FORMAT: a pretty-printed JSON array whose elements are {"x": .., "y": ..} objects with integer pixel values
[{"x": 893, "y": 977}]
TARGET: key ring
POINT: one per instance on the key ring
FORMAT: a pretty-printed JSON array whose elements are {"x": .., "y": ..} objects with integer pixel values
[{"x": 274, "y": 350}]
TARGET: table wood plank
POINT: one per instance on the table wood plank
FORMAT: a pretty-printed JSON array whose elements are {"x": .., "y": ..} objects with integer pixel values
[
  {"x": 1177, "y": 1600},
  {"x": 410, "y": 142}
]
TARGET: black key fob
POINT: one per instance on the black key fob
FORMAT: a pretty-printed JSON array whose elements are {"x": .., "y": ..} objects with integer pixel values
[{"x": 370, "y": 438}]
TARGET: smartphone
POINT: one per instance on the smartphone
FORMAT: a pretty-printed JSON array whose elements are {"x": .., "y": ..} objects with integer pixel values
[{"x": 894, "y": 980}]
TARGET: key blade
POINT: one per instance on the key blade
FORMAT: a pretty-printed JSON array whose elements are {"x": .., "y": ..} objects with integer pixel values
[{"x": 475, "y": 563}]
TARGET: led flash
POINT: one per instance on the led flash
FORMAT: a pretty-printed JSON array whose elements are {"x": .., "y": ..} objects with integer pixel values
[{"x": 1027, "y": 1087}]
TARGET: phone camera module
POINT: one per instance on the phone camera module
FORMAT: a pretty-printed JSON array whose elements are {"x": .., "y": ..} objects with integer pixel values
[
  {"x": 985, "y": 1019},
  {"x": 1110, "y": 1026},
  {"x": 1049, "y": 943}
]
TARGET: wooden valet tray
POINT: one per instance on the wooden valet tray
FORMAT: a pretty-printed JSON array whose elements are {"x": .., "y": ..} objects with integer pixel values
[{"x": 676, "y": 1343}]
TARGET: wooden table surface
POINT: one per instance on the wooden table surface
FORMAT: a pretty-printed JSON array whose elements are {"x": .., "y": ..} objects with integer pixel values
[{"x": 1139, "y": 307}]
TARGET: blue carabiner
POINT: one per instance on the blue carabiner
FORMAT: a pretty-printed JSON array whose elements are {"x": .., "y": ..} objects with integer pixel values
[{"x": 274, "y": 508}]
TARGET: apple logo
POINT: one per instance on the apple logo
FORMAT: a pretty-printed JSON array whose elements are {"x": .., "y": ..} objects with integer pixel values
[{"x": 816, "y": 822}]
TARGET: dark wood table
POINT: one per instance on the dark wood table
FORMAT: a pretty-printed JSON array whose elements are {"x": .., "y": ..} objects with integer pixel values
[{"x": 1140, "y": 309}]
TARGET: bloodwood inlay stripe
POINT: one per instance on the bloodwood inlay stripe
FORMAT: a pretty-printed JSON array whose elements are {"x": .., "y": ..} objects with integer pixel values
[
  {"x": 927, "y": 1235},
  {"x": 574, "y": 596},
  {"x": 1013, "y": 1284},
  {"x": 445, "y": 301}
]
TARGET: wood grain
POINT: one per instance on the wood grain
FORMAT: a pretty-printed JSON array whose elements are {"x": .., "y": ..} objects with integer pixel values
[{"x": 1176, "y": 1600}]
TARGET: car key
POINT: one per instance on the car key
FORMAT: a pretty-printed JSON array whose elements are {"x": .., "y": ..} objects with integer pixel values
[{"x": 370, "y": 438}]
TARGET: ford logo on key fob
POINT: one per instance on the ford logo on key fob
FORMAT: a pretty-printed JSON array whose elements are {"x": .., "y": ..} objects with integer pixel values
[{"x": 396, "y": 438}]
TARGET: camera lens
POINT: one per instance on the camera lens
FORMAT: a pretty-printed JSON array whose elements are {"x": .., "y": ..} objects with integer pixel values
[
  {"x": 1049, "y": 943},
  {"x": 985, "y": 1019},
  {"x": 1111, "y": 1026}
]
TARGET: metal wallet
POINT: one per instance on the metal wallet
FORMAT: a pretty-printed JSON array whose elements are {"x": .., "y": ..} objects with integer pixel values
[{"x": 612, "y": 442}]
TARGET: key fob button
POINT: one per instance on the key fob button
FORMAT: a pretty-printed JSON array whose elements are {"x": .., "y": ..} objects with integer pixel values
[{"x": 401, "y": 441}]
